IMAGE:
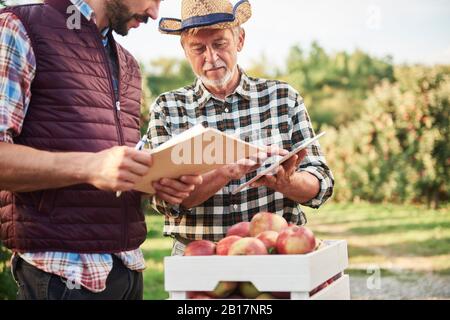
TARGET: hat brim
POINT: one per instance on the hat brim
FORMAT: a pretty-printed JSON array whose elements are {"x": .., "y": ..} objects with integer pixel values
[{"x": 241, "y": 13}]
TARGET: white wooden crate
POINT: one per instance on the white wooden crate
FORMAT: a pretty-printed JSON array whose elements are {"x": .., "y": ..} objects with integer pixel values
[{"x": 298, "y": 274}]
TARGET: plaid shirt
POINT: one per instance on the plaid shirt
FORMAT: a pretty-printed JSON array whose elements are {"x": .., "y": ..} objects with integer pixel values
[
  {"x": 261, "y": 112},
  {"x": 17, "y": 71}
]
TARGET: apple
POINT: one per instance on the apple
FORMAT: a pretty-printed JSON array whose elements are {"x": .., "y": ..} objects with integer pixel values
[
  {"x": 265, "y": 221},
  {"x": 316, "y": 290},
  {"x": 224, "y": 245},
  {"x": 235, "y": 297},
  {"x": 247, "y": 246},
  {"x": 281, "y": 295},
  {"x": 269, "y": 238},
  {"x": 197, "y": 295},
  {"x": 240, "y": 229},
  {"x": 248, "y": 290},
  {"x": 296, "y": 240},
  {"x": 223, "y": 289},
  {"x": 265, "y": 296},
  {"x": 320, "y": 244},
  {"x": 333, "y": 279},
  {"x": 200, "y": 248}
]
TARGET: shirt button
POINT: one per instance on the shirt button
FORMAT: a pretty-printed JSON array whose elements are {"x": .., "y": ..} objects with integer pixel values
[{"x": 226, "y": 110}]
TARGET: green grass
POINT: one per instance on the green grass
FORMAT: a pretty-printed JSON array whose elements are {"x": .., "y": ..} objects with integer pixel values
[{"x": 401, "y": 240}]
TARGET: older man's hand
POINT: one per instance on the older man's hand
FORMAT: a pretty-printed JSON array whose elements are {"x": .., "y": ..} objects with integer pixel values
[
  {"x": 282, "y": 179},
  {"x": 176, "y": 191},
  {"x": 242, "y": 167}
]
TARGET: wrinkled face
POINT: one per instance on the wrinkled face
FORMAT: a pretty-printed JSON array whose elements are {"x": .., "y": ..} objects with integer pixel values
[
  {"x": 124, "y": 15},
  {"x": 212, "y": 54}
]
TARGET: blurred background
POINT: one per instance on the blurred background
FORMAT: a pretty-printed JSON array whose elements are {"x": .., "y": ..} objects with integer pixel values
[{"x": 376, "y": 76}]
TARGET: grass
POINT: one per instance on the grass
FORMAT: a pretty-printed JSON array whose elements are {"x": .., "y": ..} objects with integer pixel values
[{"x": 401, "y": 240}]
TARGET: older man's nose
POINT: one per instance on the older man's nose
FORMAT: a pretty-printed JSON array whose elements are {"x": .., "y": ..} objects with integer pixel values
[{"x": 211, "y": 55}]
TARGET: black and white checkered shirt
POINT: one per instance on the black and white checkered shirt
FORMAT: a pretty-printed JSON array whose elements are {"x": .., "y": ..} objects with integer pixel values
[{"x": 261, "y": 112}]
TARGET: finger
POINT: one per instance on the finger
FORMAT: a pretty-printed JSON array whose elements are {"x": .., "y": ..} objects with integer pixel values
[
  {"x": 276, "y": 150},
  {"x": 170, "y": 199},
  {"x": 177, "y": 185},
  {"x": 258, "y": 183},
  {"x": 254, "y": 168},
  {"x": 143, "y": 157},
  {"x": 169, "y": 191},
  {"x": 281, "y": 177},
  {"x": 193, "y": 180},
  {"x": 289, "y": 166},
  {"x": 136, "y": 167},
  {"x": 270, "y": 181},
  {"x": 123, "y": 186},
  {"x": 259, "y": 157},
  {"x": 246, "y": 163},
  {"x": 301, "y": 156},
  {"x": 128, "y": 176}
]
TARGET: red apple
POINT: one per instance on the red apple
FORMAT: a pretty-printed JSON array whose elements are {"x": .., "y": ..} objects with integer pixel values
[
  {"x": 248, "y": 290},
  {"x": 316, "y": 290},
  {"x": 223, "y": 289},
  {"x": 246, "y": 247},
  {"x": 224, "y": 245},
  {"x": 333, "y": 279},
  {"x": 265, "y": 296},
  {"x": 296, "y": 240},
  {"x": 197, "y": 295},
  {"x": 281, "y": 295},
  {"x": 265, "y": 221},
  {"x": 269, "y": 238},
  {"x": 235, "y": 297},
  {"x": 200, "y": 248},
  {"x": 240, "y": 229}
]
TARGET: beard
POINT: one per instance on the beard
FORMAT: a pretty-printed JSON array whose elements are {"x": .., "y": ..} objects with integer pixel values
[
  {"x": 119, "y": 15},
  {"x": 219, "y": 83}
]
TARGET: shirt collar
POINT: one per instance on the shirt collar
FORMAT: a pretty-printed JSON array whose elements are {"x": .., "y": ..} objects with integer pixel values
[
  {"x": 89, "y": 14},
  {"x": 203, "y": 95}
]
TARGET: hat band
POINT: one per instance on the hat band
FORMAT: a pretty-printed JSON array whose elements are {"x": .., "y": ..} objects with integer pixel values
[
  {"x": 207, "y": 20},
  {"x": 201, "y": 21}
]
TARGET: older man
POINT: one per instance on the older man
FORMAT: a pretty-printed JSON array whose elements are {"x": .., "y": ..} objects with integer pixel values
[
  {"x": 69, "y": 121},
  {"x": 224, "y": 97}
]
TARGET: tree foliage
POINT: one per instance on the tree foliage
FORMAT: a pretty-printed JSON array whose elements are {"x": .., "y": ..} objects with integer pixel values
[{"x": 398, "y": 149}]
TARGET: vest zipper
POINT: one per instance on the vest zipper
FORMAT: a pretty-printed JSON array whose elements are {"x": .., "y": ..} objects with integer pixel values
[{"x": 116, "y": 108}]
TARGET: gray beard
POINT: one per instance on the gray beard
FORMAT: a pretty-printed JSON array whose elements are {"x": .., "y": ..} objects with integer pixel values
[{"x": 220, "y": 83}]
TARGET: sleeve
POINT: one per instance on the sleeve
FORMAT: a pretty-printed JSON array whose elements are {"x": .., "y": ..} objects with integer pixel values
[
  {"x": 17, "y": 71},
  {"x": 314, "y": 162},
  {"x": 159, "y": 132}
]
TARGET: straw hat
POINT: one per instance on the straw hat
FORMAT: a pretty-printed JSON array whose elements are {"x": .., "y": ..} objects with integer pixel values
[{"x": 216, "y": 14}]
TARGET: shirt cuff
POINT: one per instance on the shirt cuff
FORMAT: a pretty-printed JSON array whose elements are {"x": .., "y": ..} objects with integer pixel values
[
  {"x": 6, "y": 137},
  {"x": 179, "y": 210},
  {"x": 326, "y": 187},
  {"x": 165, "y": 208}
]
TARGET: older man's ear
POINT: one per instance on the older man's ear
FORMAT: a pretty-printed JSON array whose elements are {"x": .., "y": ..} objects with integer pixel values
[{"x": 241, "y": 40}]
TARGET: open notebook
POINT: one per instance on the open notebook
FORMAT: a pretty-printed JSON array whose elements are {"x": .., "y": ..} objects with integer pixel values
[{"x": 195, "y": 152}]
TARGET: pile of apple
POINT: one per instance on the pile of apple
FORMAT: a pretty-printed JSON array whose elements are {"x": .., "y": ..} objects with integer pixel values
[{"x": 266, "y": 233}]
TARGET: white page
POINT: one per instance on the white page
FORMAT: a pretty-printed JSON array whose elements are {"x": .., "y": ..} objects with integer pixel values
[{"x": 184, "y": 136}]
